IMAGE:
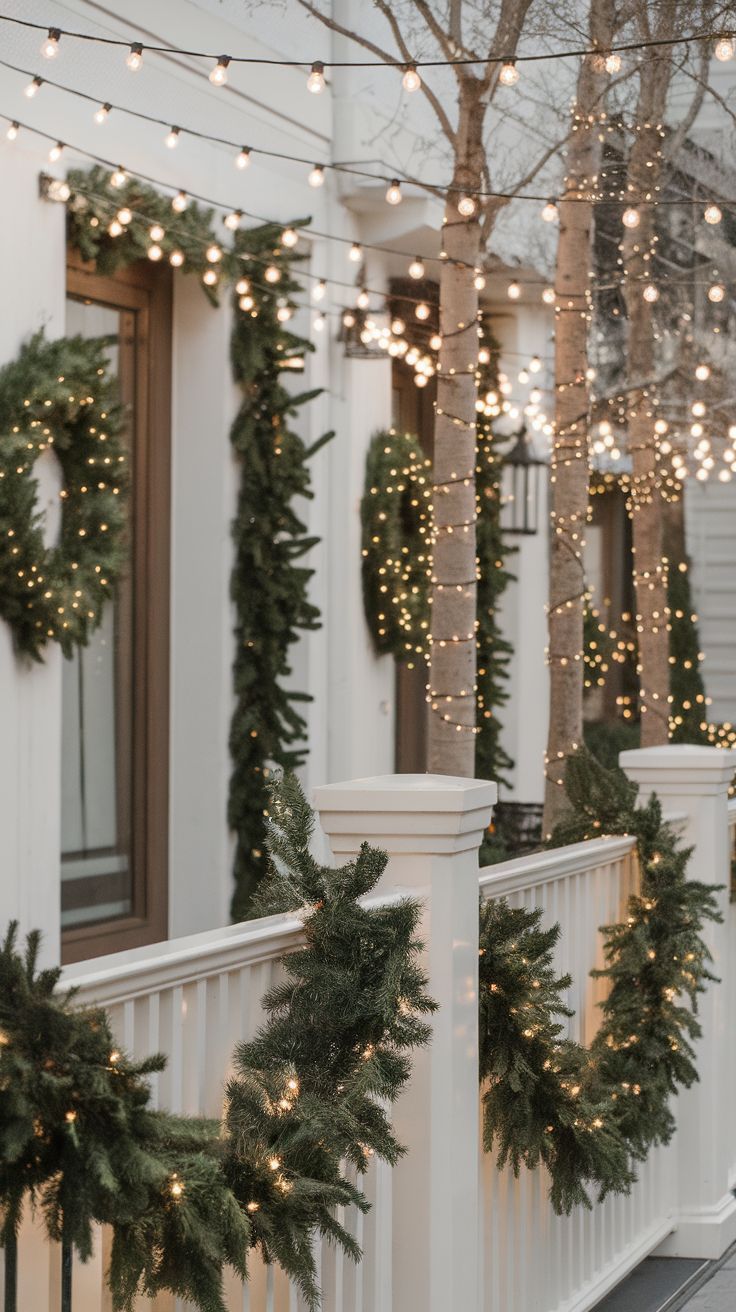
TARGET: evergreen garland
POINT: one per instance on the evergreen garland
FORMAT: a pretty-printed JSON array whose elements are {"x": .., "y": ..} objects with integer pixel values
[
  {"x": 269, "y": 584},
  {"x": 186, "y": 1196},
  {"x": 396, "y": 519},
  {"x": 57, "y": 396},
  {"x": 657, "y": 965},
  {"x": 688, "y": 710}
]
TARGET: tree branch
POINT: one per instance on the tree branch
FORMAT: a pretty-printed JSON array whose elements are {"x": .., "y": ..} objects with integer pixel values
[{"x": 676, "y": 141}]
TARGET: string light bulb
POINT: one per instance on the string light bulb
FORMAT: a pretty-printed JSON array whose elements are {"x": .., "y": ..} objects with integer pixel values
[
  {"x": 176, "y": 259},
  {"x": 172, "y": 138},
  {"x": 218, "y": 75},
  {"x": 102, "y": 114},
  {"x": 289, "y": 237},
  {"x": 702, "y": 372},
  {"x": 355, "y": 254},
  {"x": 316, "y": 79},
  {"x": 713, "y": 214},
  {"x": 416, "y": 269},
  {"x": 242, "y": 160},
  {"x": 549, "y": 213},
  {"x": 33, "y": 88},
  {"x": 651, "y": 293},
  {"x": 180, "y": 202},
  {"x": 56, "y": 152},
  {"x": 509, "y": 74},
  {"x": 209, "y": 277},
  {"x": 466, "y": 206},
  {"x": 156, "y": 233},
  {"x": 317, "y": 176},
  {"x": 716, "y": 292},
  {"x": 213, "y": 253},
  {"x": 50, "y": 44},
  {"x": 13, "y": 131},
  {"x": 411, "y": 81},
  {"x": 319, "y": 322},
  {"x": 363, "y": 299},
  {"x": 134, "y": 57},
  {"x": 724, "y": 49},
  {"x": 535, "y": 364},
  {"x": 124, "y": 216},
  {"x": 114, "y": 228},
  {"x": 422, "y": 311},
  {"x": 272, "y": 273},
  {"x": 393, "y": 192},
  {"x": 154, "y": 252},
  {"x": 319, "y": 291},
  {"x": 479, "y": 281},
  {"x": 513, "y": 291},
  {"x": 548, "y": 295},
  {"x": 612, "y": 62},
  {"x": 232, "y": 221},
  {"x": 118, "y": 177},
  {"x": 435, "y": 342},
  {"x": 631, "y": 217}
]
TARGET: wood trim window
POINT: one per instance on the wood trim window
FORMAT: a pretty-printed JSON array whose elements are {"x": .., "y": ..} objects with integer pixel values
[{"x": 115, "y": 716}]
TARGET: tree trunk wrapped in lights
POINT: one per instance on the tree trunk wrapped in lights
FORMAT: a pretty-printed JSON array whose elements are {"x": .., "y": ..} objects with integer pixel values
[{"x": 570, "y": 466}]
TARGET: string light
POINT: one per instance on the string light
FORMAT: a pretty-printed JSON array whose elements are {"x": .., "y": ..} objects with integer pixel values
[
  {"x": 156, "y": 233},
  {"x": 218, "y": 76},
  {"x": 118, "y": 178},
  {"x": 172, "y": 138},
  {"x": 422, "y": 310},
  {"x": 466, "y": 206},
  {"x": 363, "y": 299},
  {"x": 232, "y": 221},
  {"x": 509, "y": 74},
  {"x": 513, "y": 291},
  {"x": 631, "y": 218},
  {"x": 154, "y": 252},
  {"x": 289, "y": 238},
  {"x": 550, "y": 213},
  {"x": 101, "y": 115},
  {"x": 548, "y": 295},
  {"x": 411, "y": 81},
  {"x": 393, "y": 192},
  {"x": 33, "y": 87},
  {"x": 176, "y": 258},
  {"x": 355, "y": 254},
  {"x": 702, "y": 372},
  {"x": 56, "y": 152},
  {"x": 13, "y": 131},
  {"x": 724, "y": 49},
  {"x": 713, "y": 214},
  {"x": 612, "y": 62},
  {"x": 416, "y": 269},
  {"x": 242, "y": 160},
  {"x": 319, "y": 322},
  {"x": 214, "y": 254},
  {"x": 316, "y": 79},
  {"x": 716, "y": 292},
  {"x": 50, "y": 47},
  {"x": 319, "y": 291},
  {"x": 651, "y": 293},
  {"x": 317, "y": 176},
  {"x": 209, "y": 277},
  {"x": 180, "y": 202},
  {"x": 134, "y": 58},
  {"x": 479, "y": 281}
]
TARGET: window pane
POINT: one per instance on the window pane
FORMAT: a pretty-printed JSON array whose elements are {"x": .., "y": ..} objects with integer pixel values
[{"x": 96, "y": 736}]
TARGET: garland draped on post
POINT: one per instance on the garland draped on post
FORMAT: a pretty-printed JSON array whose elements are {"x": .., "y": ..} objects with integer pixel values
[
  {"x": 269, "y": 585},
  {"x": 586, "y": 1112},
  {"x": 185, "y": 1196}
]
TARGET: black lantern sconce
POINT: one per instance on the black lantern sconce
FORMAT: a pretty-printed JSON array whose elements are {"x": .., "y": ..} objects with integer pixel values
[{"x": 520, "y": 510}]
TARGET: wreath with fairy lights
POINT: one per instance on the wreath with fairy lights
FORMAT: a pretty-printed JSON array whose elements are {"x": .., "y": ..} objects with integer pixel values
[{"x": 58, "y": 396}]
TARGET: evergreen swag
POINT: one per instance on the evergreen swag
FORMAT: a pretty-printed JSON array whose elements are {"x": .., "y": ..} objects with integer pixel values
[
  {"x": 185, "y": 1196},
  {"x": 269, "y": 584},
  {"x": 57, "y": 396},
  {"x": 585, "y": 1113}
]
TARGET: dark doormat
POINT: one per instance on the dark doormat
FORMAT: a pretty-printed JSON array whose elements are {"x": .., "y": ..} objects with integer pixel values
[{"x": 653, "y": 1286}]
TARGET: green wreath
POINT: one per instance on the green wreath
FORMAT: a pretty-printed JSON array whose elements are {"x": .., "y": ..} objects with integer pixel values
[
  {"x": 58, "y": 396},
  {"x": 396, "y": 516}
]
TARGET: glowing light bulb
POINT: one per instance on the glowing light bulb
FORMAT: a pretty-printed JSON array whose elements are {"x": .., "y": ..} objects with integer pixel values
[
  {"x": 712, "y": 214},
  {"x": 348, "y": 319},
  {"x": 398, "y": 327},
  {"x": 218, "y": 76},
  {"x": 466, "y": 206},
  {"x": 154, "y": 252},
  {"x": 213, "y": 253},
  {"x": 422, "y": 311},
  {"x": 660, "y": 426},
  {"x": 612, "y": 62},
  {"x": 355, "y": 253},
  {"x": 421, "y": 380},
  {"x": 242, "y": 160},
  {"x": 651, "y": 293},
  {"x": 156, "y": 233},
  {"x": 124, "y": 216},
  {"x": 319, "y": 322},
  {"x": 209, "y": 277},
  {"x": 416, "y": 269},
  {"x": 716, "y": 292},
  {"x": 479, "y": 281},
  {"x": 535, "y": 364},
  {"x": 118, "y": 178},
  {"x": 317, "y": 176},
  {"x": 246, "y": 302},
  {"x": 177, "y": 259},
  {"x": 33, "y": 88},
  {"x": 509, "y": 74},
  {"x": 393, "y": 192},
  {"x": 289, "y": 237},
  {"x": 115, "y": 228},
  {"x": 319, "y": 291},
  {"x": 702, "y": 372},
  {"x": 180, "y": 202},
  {"x": 549, "y": 213},
  {"x": 698, "y": 409},
  {"x": 12, "y": 131},
  {"x": 134, "y": 57},
  {"x": 232, "y": 221},
  {"x": 50, "y": 46},
  {"x": 273, "y": 273},
  {"x": 631, "y": 218},
  {"x": 316, "y": 79},
  {"x": 363, "y": 299},
  {"x": 172, "y": 138},
  {"x": 548, "y": 295},
  {"x": 513, "y": 291},
  {"x": 411, "y": 81},
  {"x": 56, "y": 152},
  {"x": 435, "y": 342},
  {"x": 101, "y": 115},
  {"x": 696, "y": 430},
  {"x": 284, "y": 313},
  {"x": 724, "y": 49}
]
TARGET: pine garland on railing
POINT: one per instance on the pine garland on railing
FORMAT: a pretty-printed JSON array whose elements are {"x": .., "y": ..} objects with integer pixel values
[
  {"x": 186, "y": 1196},
  {"x": 585, "y": 1112}
]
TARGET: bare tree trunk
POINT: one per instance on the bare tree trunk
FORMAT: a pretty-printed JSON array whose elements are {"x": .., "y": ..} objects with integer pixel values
[
  {"x": 570, "y": 464},
  {"x": 452, "y": 672},
  {"x": 647, "y": 505}
]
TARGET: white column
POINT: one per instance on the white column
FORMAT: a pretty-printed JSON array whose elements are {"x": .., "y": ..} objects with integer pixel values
[
  {"x": 693, "y": 782},
  {"x": 431, "y": 826}
]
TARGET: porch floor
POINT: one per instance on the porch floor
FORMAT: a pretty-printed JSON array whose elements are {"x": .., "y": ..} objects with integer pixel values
[{"x": 718, "y": 1294}]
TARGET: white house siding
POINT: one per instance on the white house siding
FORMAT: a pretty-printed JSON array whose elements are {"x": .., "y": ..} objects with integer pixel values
[{"x": 710, "y": 510}]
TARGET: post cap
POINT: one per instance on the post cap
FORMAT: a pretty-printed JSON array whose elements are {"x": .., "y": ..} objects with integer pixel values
[
  {"x": 680, "y": 768},
  {"x": 406, "y": 813}
]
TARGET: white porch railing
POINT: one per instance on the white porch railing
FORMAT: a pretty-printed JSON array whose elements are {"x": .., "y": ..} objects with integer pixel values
[
  {"x": 447, "y": 1231},
  {"x": 532, "y": 1260}
]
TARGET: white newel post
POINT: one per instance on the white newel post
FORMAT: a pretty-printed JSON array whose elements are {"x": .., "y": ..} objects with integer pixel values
[
  {"x": 431, "y": 826},
  {"x": 693, "y": 781}
]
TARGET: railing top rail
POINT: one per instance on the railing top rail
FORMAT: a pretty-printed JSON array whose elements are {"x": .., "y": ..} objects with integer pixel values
[
  {"x": 121, "y": 976},
  {"x": 540, "y": 867}
]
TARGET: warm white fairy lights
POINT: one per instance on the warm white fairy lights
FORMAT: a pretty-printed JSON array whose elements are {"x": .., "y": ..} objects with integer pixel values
[
  {"x": 134, "y": 58},
  {"x": 467, "y": 206},
  {"x": 102, "y": 114},
  {"x": 509, "y": 73},
  {"x": 416, "y": 269},
  {"x": 393, "y": 192},
  {"x": 242, "y": 159},
  {"x": 631, "y": 218},
  {"x": 171, "y": 139},
  {"x": 50, "y": 45},
  {"x": 33, "y": 88},
  {"x": 316, "y": 79},
  {"x": 218, "y": 75},
  {"x": 724, "y": 48},
  {"x": 713, "y": 214},
  {"x": 411, "y": 81},
  {"x": 317, "y": 176}
]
